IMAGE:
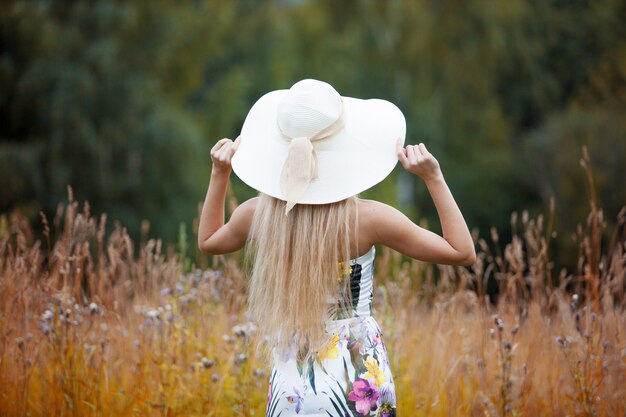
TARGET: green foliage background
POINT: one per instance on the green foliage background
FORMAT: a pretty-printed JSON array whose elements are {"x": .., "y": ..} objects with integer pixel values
[{"x": 123, "y": 99}]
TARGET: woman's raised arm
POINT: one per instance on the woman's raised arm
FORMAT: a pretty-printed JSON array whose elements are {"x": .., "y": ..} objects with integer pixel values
[
  {"x": 395, "y": 230},
  {"x": 214, "y": 236}
]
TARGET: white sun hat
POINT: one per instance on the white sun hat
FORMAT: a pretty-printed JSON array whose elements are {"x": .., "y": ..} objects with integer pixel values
[{"x": 309, "y": 145}]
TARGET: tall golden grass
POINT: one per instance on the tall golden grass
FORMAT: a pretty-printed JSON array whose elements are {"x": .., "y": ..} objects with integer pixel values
[{"x": 93, "y": 325}]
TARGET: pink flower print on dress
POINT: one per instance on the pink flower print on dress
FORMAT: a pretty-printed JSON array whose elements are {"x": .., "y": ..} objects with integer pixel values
[
  {"x": 373, "y": 342},
  {"x": 364, "y": 394}
]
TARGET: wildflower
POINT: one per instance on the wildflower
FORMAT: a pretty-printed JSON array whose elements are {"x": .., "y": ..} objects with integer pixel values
[
  {"x": 499, "y": 323},
  {"x": 207, "y": 363},
  {"x": 329, "y": 350},
  {"x": 373, "y": 371},
  {"x": 20, "y": 342},
  {"x": 364, "y": 395},
  {"x": 153, "y": 314},
  {"x": 183, "y": 301},
  {"x": 259, "y": 372},
  {"x": 47, "y": 315},
  {"x": 507, "y": 346},
  {"x": 44, "y": 327},
  {"x": 166, "y": 291},
  {"x": 560, "y": 341},
  {"x": 93, "y": 308},
  {"x": 215, "y": 378},
  {"x": 241, "y": 358},
  {"x": 179, "y": 288},
  {"x": 242, "y": 330}
]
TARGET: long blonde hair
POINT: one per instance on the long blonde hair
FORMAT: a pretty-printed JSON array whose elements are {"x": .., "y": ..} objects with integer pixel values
[{"x": 296, "y": 274}]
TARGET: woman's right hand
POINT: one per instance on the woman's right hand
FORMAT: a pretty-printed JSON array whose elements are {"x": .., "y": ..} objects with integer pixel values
[
  {"x": 417, "y": 160},
  {"x": 222, "y": 154}
]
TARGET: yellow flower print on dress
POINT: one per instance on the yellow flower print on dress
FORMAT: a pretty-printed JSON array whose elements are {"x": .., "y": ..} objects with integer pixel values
[
  {"x": 329, "y": 350},
  {"x": 373, "y": 371},
  {"x": 345, "y": 269}
]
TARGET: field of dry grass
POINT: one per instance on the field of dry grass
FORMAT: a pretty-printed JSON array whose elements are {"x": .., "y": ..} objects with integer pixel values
[{"x": 94, "y": 325}]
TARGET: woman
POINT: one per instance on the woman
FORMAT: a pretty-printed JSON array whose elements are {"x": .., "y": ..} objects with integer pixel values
[{"x": 309, "y": 152}]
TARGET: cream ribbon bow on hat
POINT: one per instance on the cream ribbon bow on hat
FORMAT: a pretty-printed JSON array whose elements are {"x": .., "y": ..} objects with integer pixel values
[{"x": 300, "y": 167}]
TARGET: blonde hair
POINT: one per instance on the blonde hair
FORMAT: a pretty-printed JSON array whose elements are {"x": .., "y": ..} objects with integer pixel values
[{"x": 297, "y": 279}]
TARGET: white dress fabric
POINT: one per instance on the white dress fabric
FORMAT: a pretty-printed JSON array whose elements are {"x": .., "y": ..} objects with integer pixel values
[{"x": 350, "y": 375}]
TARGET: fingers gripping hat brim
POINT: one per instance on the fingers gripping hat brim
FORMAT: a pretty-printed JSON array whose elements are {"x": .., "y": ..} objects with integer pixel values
[{"x": 361, "y": 155}]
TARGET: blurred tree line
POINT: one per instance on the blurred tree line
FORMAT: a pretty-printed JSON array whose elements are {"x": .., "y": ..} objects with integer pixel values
[{"x": 123, "y": 99}]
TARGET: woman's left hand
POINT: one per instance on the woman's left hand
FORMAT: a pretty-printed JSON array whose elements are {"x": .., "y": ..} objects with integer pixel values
[
  {"x": 417, "y": 160},
  {"x": 222, "y": 153}
]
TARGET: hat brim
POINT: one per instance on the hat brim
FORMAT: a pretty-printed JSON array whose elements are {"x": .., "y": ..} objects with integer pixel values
[{"x": 360, "y": 156}]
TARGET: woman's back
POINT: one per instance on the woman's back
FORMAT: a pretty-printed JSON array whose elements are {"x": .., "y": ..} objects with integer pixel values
[
  {"x": 349, "y": 374},
  {"x": 313, "y": 151}
]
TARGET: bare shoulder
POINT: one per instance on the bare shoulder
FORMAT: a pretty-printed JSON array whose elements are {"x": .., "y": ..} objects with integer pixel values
[
  {"x": 244, "y": 212},
  {"x": 374, "y": 216},
  {"x": 370, "y": 211},
  {"x": 247, "y": 207},
  {"x": 233, "y": 235}
]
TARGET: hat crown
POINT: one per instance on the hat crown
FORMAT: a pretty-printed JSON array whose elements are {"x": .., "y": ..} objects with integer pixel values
[{"x": 309, "y": 107}]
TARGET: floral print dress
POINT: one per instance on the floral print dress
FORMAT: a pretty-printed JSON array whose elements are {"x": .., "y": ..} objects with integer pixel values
[{"x": 350, "y": 375}]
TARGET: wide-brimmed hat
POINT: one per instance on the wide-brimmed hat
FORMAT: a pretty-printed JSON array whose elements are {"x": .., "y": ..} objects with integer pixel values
[{"x": 309, "y": 145}]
